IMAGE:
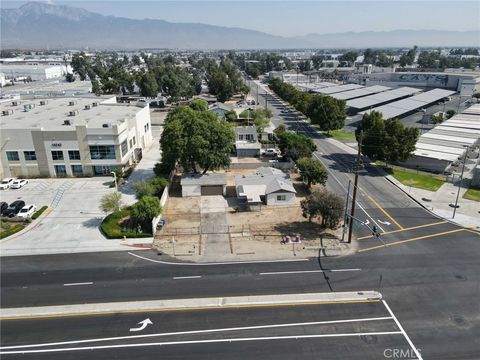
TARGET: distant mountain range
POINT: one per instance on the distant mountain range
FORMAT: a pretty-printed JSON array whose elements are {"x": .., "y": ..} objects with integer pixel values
[{"x": 39, "y": 25}]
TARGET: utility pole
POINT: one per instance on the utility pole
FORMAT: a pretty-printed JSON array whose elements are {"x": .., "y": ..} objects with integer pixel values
[
  {"x": 345, "y": 216},
  {"x": 460, "y": 184},
  {"x": 266, "y": 99},
  {"x": 354, "y": 197}
]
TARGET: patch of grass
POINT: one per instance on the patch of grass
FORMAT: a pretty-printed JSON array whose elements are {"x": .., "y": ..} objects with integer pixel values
[
  {"x": 39, "y": 212},
  {"x": 342, "y": 135},
  {"x": 118, "y": 224},
  {"x": 420, "y": 181},
  {"x": 472, "y": 194},
  {"x": 8, "y": 228}
]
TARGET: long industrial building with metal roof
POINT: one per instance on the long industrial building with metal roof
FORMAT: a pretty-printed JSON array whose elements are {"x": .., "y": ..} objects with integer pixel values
[{"x": 447, "y": 143}]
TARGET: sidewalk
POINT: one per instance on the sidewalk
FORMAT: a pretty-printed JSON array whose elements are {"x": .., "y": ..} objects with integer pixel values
[{"x": 438, "y": 202}]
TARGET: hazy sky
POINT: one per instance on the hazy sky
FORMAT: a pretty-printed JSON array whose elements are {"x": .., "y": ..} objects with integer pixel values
[{"x": 291, "y": 18}]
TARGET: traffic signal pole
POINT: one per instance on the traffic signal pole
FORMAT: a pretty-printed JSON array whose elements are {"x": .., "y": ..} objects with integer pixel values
[{"x": 355, "y": 183}]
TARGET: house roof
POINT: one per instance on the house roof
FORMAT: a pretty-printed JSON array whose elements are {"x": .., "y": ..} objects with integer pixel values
[
  {"x": 203, "y": 179},
  {"x": 266, "y": 181},
  {"x": 222, "y": 106}
]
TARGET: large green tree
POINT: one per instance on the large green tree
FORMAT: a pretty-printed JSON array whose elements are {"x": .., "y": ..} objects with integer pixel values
[
  {"x": 196, "y": 139},
  {"x": 296, "y": 146},
  {"x": 312, "y": 171},
  {"x": 146, "y": 209},
  {"x": 325, "y": 205}
]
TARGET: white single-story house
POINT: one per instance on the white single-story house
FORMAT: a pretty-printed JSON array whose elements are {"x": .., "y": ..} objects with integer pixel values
[
  {"x": 203, "y": 184},
  {"x": 269, "y": 186},
  {"x": 246, "y": 141}
]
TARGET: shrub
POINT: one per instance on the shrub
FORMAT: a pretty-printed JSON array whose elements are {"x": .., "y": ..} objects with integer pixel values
[
  {"x": 162, "y": 169},
  {"x": 7, "y": 230},
  {"x": 146, "y": 209},
  {"x": 150, "y": 187},
  {"x": 39, "y": 212},
  {"x": 113, "y": 226}
]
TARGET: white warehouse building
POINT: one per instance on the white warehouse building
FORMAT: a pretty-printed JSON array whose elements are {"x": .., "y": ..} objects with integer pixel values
[{"x": 59, "y": 137}]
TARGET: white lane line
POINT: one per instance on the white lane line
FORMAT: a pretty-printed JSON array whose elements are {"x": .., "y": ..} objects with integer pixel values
[
  {"x": 129, "y": 337},
  {"x": 217, "y": 263},
  {"x": 344, "y": 189},
  {"x": 308, "y": 271},
  {"x": 209, "y": 341},
  {"x": 79, "y": 284},
  {"x": 186, "y": 277},
  {"x": 417, "y": 353}
]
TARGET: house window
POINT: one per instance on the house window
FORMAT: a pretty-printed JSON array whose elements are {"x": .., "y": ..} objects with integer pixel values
[
  {"x": 57, "y": 155},
  {"x": 77, "y": 170},
  {"x": 124, "y": 148},
  {"x": 240, "y": 137},
  {"x": 12, "y": 156},
  {"x": 102, "y": 152},
  {"x": 249, "y": 137},
  {"x": 281, "y": 197},
  {"x": 60, "y": 170},
  {"x": 30, "y": 155},
  {"x": 74, "y": 154}
]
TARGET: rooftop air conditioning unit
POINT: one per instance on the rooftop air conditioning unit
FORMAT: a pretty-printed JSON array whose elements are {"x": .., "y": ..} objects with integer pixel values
[
  {"x": 73, "y": 113},
  {"x": 28, "y": 107},
  {"x": 94, "y": 104},
  {"x": 87, "y": 107},
  {"x": 67, "y": 122},
  {"x": 105, "y": 125},
  {"x": 15, "y": 103},
  {"x": 72, "y": 102},
  {"x": 43, "y": 102},
  {"x": 7, "y": 112}
]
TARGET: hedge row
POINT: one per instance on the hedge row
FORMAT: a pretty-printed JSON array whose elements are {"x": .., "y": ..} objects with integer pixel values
[{"x": 11, "y": 230}]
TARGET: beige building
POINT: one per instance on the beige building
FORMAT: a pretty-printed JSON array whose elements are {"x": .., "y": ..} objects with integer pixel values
[{"x": 71, "y": 136}]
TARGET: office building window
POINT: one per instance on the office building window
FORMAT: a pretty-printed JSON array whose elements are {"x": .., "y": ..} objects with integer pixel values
[
  {"x": 74, "y": 154},
  {"x": 12, "y": 156},
  {"x": 57, "y": 155},
  {"x": 102, "y": 152},
  {"x": 124, "y": 148},
  {"x": 30, "y": 155},
  {"x": 60, "y": 170},
  {"x": 281, "y": 197},
  {"x": 134, "y": 141},
  {"x": 77, "y": 170},
  {"x": 131, "y": 143}
]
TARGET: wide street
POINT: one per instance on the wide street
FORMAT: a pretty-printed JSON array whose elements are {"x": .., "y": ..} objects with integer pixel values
[{"x": 426, "y": 269}]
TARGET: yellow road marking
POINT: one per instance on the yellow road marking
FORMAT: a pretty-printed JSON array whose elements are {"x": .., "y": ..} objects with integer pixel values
[
  {"x": 473, "y": 231},
  {"x": 384, "y": 211},
  {"x": 404, "y": 229},
  {"x": 184, "y": 309},
  {"x": 409, "y": 240}
]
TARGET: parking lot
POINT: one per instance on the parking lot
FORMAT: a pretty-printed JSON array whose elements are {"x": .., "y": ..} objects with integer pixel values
[{"x": 73, "y": 211}]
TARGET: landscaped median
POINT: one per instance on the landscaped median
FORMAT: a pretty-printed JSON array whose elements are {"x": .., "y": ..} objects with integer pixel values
[
  {"x": 191, "y": 304},
  {"x": 12, "y": 226},
  {"x": 118, "y": 225}
]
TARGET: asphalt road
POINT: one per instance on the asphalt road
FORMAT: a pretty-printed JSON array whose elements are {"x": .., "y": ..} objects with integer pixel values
[{"x": 427, "y": 270}]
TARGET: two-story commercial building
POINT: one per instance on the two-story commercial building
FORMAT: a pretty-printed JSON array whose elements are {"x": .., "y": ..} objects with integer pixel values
[{"x": 71, "y": 136}]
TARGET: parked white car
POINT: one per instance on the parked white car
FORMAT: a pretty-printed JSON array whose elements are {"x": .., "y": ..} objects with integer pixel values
[
  {"x": 17, "y": 184},
  {"x": 27, "y": 211},
  {"x": 6, "y": 183},
  {"x": 270, "y": 152}
]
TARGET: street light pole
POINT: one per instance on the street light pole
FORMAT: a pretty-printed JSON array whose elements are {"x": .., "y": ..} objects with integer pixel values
[
  {"x": 460, "y": 184},
  {"x": 346, "y": 211},
  {"x": 354, "y": 197}
]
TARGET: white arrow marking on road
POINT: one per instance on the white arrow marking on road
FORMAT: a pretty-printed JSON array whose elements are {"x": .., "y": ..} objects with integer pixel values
[
  {"x": 384, "y": 222},
  {"x": 366, "y": 222},
  {"x": 144, "y": 324}
]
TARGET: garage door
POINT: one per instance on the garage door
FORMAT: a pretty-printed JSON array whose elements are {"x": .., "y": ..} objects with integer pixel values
[{"x": 212, "y": 190}]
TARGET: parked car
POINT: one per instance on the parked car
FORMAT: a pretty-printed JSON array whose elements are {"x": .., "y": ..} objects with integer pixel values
[
  {"x": 3, "y": 207},
  {"x": 17, "y": 184},
  {"x": 14, "y": 208},
  {"x": 27, "y": 211},
  {"x": 270, "y": 152},
  {"x": 6, "y": 183}
]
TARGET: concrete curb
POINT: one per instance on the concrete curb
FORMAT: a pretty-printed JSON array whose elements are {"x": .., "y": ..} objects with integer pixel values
[
  {"x": 393, "y": 182},
  {"x": 188, "y": 304},
  {"x": 34, "y": 224}
]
